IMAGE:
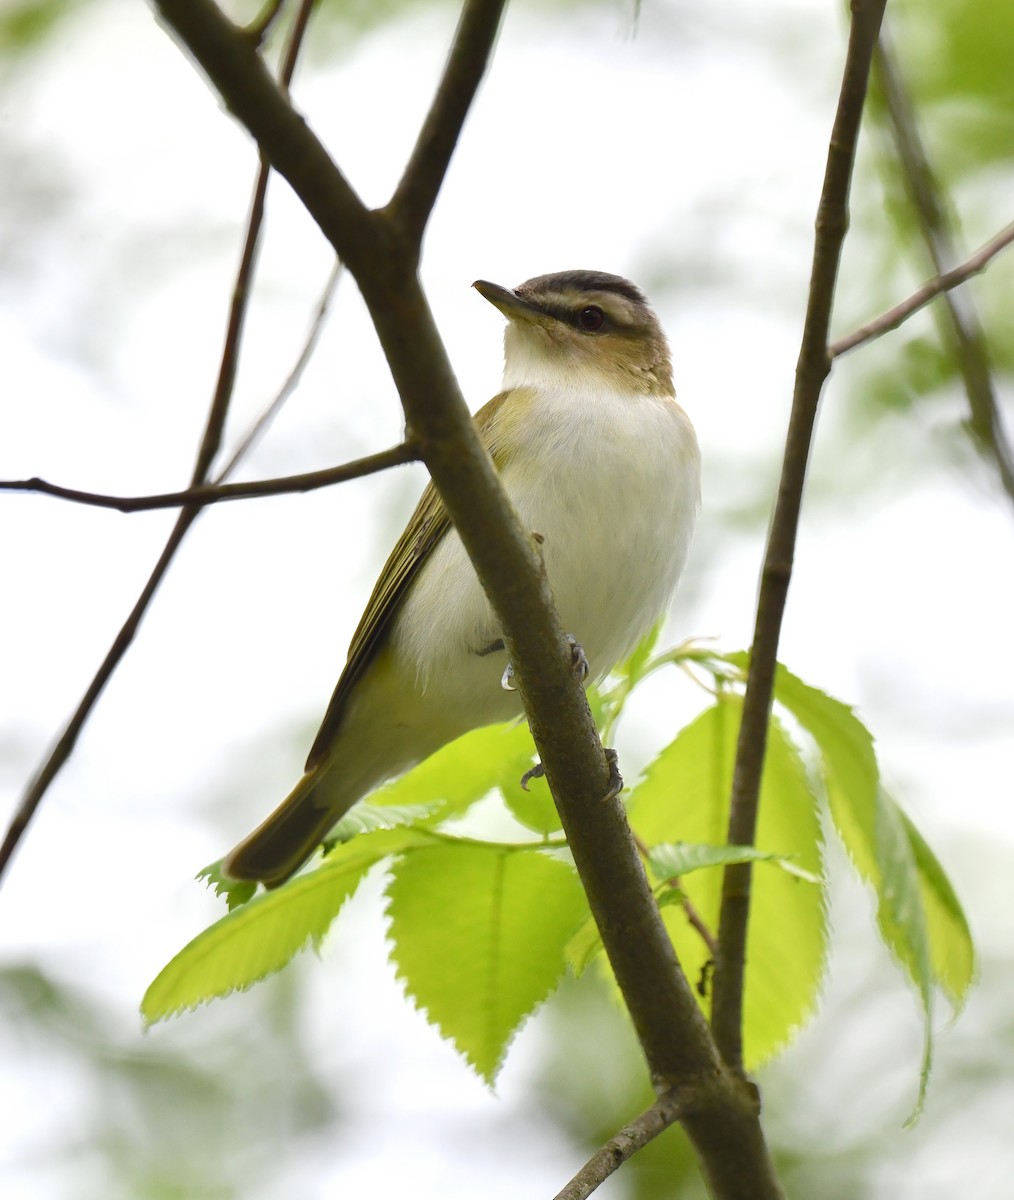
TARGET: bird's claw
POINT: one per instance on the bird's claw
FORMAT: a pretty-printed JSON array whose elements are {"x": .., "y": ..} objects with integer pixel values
[
  {"x": 612, "y": 761},
  {"x": 578, "y": 659},
  {"x": 536, "y": 772},
  {"x": 615, "y": 778}
]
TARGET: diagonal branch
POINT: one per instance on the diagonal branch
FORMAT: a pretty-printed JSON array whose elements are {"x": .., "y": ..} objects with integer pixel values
[
  {"x": 940, "y": 284},
  {"x": 722, "y": 1113},
  {"x": 812, "y": 370},
  {"x": 665, "y": 1112},
  {"x": 417, "y": 192},
  {"x": 259, "y": 28},
  {"x": 206, "y": 494},
  {"x": 722, "y": 1118},
  {"x": 291, "y": 382},
  {"x": 226, "y": 56},
  {"x": 209, "y": 446},
  {"x": 961, "y": 323}
]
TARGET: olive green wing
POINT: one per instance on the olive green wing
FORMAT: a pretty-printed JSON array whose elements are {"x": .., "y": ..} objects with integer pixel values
[{"x": 427, "y": 525}]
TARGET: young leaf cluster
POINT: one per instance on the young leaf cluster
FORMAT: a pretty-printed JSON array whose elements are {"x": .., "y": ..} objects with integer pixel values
[{"x": 481, "y": 931}]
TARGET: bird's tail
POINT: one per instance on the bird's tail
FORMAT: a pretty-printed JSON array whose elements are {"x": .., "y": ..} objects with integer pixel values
[{"x": 285, "y": 840}]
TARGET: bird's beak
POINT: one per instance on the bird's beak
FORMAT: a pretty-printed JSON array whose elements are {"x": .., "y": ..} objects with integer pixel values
[{"x": 508, "y": 302}]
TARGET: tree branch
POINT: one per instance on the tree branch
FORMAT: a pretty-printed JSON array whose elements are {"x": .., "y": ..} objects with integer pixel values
[
  {"x": 812, "y": 369},
  {"x": 259, "y": 28},
  {"x": 961, "y": 323},
  {"x": 210, "y": 442},
  {"x": 666, "y": 1111},
  {"x": 938, "y": 285},
  {"x": 722, "y": 1111},
  {"x": 466, "y": 64},
  {"x": 214, "y": 493},
  {"x": 231, "y": 63},
  {"x": 256, "y": 431}
]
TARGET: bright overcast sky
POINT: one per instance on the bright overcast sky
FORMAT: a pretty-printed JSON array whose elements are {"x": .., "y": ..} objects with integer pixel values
[{"x": 687, "y": 156}]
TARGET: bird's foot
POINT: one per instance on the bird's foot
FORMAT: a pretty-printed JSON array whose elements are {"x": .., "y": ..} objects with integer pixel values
[
  {"x": 615, "y": 778},
  {"x": 612, "y": 761},
  {"x": 578, "y": 658},
  {"x": 536, "y": 772}
]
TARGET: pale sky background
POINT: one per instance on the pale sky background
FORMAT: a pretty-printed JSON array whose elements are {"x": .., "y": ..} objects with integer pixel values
[{"x": 686, "y": 155}]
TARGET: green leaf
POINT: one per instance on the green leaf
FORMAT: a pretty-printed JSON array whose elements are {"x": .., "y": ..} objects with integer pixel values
[
  {"x": 951, "y": 948},
  {"x": 902, "y": 921},
  {"x": 478, "y": 937},
  {"x": 673, "y": 859},
  {"x": 584, "y": 947},
  {"x": 639, "y": 663},
  {"x": 919, "y": 916},
  {"x": 462, "y": 772},
  {"x": 234, "y": 891},
  {"x": 262, "y": 936},
  {"x": 887, "y": 849},
  {"x": 534, "y": 808},
  {"x": 685, "y": 796},
  {"x": 670, "y": 862},
  {"x": 365, "y": 817},
  {"x": 849, "y": 764},
  {"x": 607, "y": 701}
]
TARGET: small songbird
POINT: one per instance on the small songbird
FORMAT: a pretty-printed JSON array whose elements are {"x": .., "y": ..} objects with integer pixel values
[{"x": 600, "y": 462}]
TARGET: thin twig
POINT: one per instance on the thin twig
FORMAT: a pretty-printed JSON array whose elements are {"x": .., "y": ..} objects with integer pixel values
[
  {"x": 209, "y": 446},
  {"x": 665, "y": 1112},
  {"x": 694, "y": 918},
  {"x": 215, "y": 493},
  {"x": 256, "y": 431},
  {"x": 416, "y": 193},
  {"x": 698, "y": 923},
  {"x": 226, "y": 56},
  {"x": 961, "y": 323},
  {"x": 938, "y": 285},
  {"x": 811, "y": 371},
  {"x": 260, "y": 26}
]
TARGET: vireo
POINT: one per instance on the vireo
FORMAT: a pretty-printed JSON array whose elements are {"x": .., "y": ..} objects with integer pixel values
[{"x": 600, "y": 461}]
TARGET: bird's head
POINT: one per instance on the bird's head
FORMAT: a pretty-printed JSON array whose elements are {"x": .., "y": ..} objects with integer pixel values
[{"x": 580, "y": 329}]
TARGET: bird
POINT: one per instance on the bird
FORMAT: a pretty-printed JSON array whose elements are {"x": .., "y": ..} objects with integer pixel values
[{"x": 601, "y": 464}]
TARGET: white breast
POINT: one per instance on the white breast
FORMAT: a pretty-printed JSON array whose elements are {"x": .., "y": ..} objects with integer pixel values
[{"x": 612, "y": 484}]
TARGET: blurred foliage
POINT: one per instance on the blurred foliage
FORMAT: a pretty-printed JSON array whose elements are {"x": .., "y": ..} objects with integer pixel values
[
  {"x": 958, "y": 59},
  {"x": 954, "y": 62},
  {"x": 813, "y": 1097},
  {"x": 199, "y": 1116},
  {"x": 26, "y": 24},
  {"x": 156, "y": 1119}
]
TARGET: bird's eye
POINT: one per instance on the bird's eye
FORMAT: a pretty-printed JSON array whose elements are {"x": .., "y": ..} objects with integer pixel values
[{"x": 591, "y": 319}]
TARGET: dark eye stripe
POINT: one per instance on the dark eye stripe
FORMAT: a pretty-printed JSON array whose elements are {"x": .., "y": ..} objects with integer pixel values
[{"x": 569, "y": 315}]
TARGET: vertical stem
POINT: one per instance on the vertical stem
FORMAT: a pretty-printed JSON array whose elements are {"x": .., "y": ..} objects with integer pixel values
[{"x": 812, "y": 369}]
